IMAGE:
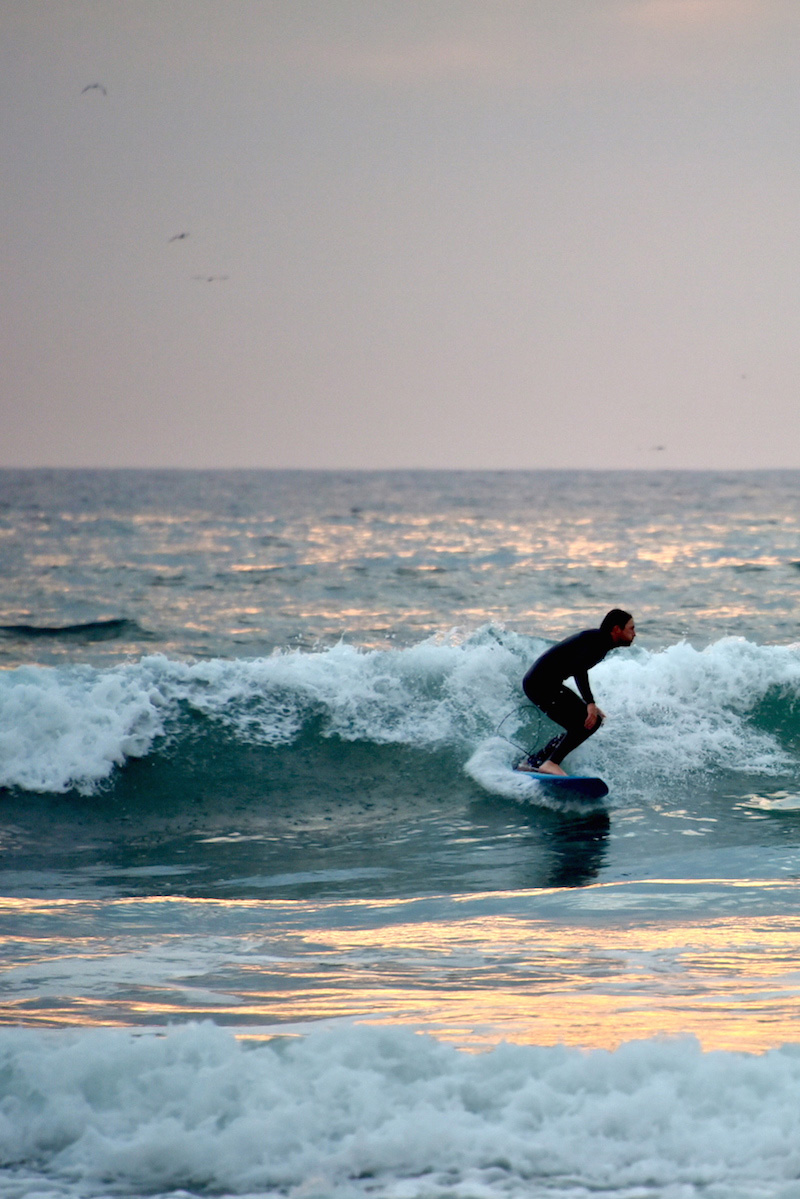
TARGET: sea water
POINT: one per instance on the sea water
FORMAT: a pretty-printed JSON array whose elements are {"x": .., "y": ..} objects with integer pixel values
[{"x": 278, "y": 916}]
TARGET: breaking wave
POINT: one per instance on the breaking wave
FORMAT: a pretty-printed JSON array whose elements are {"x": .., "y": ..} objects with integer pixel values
[{"x": 731, "y": 707}]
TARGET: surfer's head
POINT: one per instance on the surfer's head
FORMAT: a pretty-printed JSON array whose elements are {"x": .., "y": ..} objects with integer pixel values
[{"x": 619, "y": 625}]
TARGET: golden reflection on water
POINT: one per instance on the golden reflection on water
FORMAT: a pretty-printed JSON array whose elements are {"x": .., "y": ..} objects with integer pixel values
[{"x": 731, "y": 981}]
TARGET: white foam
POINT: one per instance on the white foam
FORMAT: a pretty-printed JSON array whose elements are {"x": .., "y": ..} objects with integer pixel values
[
  {"x": 669, "y": 712},
  {"x": 355, "y": 1111},
  {"x": 682, "y": 710},
  {"x": 62, "y": 728}
]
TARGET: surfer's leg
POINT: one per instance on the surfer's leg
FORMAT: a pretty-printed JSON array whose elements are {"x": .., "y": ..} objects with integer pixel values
[
  {"x": 544, "y": 700},
  {"x": 546, "y": 753},
  {"x": 568, "y": 710},
  {"x": 576, "y": 732}
]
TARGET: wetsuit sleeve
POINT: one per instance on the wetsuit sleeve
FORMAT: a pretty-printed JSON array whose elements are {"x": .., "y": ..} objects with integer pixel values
[
  {"x": 582, "y": 681},
  {"x": 589, "y": 649}
]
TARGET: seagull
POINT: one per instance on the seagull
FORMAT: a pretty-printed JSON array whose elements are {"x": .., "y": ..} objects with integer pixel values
[
  {"x": 178, "y": 236},
  {"x": 95, "y": 86}
]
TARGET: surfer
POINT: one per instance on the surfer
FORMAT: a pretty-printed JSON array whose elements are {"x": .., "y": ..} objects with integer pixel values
[{"x": 544, "y": 687}]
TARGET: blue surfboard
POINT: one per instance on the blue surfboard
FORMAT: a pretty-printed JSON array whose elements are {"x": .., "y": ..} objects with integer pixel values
[{"x": 583, "y": 785}]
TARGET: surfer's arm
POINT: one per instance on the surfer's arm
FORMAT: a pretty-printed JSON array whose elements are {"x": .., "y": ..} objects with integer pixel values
[
  {"x": 582, "y": 683},
  {"x": 593, "y": 714}
]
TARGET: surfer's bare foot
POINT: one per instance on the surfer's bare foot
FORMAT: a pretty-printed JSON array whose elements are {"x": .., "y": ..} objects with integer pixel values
[
  {"x": 549, "y": 767},
  {"x": 526, "y": 766}
]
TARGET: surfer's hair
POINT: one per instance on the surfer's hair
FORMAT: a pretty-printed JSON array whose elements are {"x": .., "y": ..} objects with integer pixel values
[{"x": 615, "y": 619}]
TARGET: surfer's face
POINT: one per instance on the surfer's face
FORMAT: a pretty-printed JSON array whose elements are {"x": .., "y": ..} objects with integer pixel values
[{"x": 624, "y": 635}]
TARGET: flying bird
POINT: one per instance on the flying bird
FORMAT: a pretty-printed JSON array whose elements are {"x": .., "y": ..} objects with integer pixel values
[
  {"x": 95, "y": 87},
  {"x": 210, "y": 278},
  {"x": 177, "y": 237}
]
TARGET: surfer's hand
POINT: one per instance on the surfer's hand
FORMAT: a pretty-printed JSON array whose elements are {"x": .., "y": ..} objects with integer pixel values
[{"x": 593, "y": 716}]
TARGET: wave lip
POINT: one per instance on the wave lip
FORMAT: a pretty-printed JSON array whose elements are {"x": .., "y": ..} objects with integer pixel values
[{"x": 68, "y": 729}]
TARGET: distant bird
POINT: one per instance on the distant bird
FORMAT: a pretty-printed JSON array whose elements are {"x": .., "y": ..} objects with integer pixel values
[
  {"x": 177, "y": 237},
  {"x": 95, "y": 87},
  {"x": 210, "y": 278},
  {"x": 658, "y": 448}
]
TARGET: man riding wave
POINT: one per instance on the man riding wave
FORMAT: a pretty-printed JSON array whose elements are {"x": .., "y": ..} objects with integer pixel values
[{"x": 544, "y": 687}]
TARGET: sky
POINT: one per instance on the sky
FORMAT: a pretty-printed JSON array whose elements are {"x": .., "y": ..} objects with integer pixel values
[{"x": 371, "y": 234}]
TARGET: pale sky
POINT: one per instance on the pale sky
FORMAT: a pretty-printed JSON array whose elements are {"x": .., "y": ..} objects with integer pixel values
[{"x": 420, "y": 233}]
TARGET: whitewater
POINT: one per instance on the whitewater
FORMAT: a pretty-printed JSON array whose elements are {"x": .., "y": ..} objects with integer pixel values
[{"x": 279, "y": 918}]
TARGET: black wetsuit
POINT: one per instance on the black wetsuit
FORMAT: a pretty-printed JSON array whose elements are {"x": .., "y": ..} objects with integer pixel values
[{"x": 544, "y": 687}]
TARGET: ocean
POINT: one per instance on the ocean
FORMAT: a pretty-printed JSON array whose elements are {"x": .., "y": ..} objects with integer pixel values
[{"x": 278, "y": 916}]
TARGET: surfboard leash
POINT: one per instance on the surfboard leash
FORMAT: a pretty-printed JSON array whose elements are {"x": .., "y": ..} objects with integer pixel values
[{"x": 528, "y": 708}]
